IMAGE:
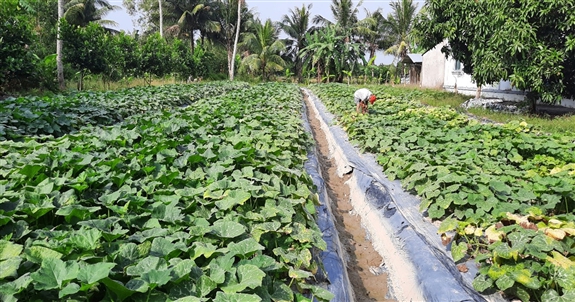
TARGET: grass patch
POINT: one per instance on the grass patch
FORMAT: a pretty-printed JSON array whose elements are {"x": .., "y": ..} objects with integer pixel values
[
  {"x": 559, "y": 124},
  {"x": 439, "y": 98}
]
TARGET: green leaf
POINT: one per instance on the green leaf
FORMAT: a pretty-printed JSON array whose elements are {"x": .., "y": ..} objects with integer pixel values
[
  {"x": 449, "y": 224},
  {"x": 16, "y": 286},
  {"x": 181, "y": 269},
  {"x": 92, "y": 273},
  {"x": 281, "y": 293},
  {"x": 147, "y": 264},
  {"x": 157, "y": 277},
  {"x": 245, "y": 247},
  {"x": 250, "y": 275},
  {"x": 500, "y": 187},
  {"x": 232, "y": 199},
  {"x": 504, "y": 282},
  {"x": 30, "y": 170},
  {"x": 9, "y": 267},
  {"x": 69, "y": 289},
  {"x": 53, "y": 272},
  {"x": 458, "y": 251},
  {"x": 86, "y": 239},
  {"x": 264, "y": 262},
  {"x": 299, "y": 274},
  {"x": 524, "y": 195},
  {"x": 137, "y": 285},
  {"x": 525, "y": 277},
  {"x": 162, "y": 247},
  {"x": 9, "y": 249},
  {"x": 552, "y": 296},
  {"x": 202, "y": 249},
  {"x": 228, "y": 229},
  {"x": 206, "y": 285},
  {"x": 236, "y": 297},
  {"x": 318, "y": 292},
  {"x": 119, "y": 290},
  {"x": 482, "y": 283},
  {"x": 217, "y": 273}
]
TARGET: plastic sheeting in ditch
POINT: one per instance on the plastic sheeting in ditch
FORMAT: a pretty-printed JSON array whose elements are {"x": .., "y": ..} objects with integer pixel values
[
  {"x": 334, "y": 275},
  {"x": 420, "y": 267}
]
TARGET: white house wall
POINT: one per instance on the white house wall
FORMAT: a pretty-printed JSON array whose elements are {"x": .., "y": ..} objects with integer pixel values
[
  {"x": 433, "y": 68},
  {"x": 501, "y": 90}
]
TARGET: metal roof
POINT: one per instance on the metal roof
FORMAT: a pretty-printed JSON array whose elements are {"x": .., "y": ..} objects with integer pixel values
[{"x": 413, "y": 58}]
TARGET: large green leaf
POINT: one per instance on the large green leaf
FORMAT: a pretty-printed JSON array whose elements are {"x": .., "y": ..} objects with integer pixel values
[
  {"x": 92, "y": 273},
  {"x": 245, "y": 247},
  {"x": 9, "y": 249},
  {"x": 9, "y": 267},
  {"x": 233, "y": 198},
  {"x": 236, "y": 297},
  {"x": 53, "y": 273},
  {"x": 228, "y": 229},
  {"x": 146, "y": 265}
]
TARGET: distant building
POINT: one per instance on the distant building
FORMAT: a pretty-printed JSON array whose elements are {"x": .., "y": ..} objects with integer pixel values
[
  {"x": 413, "y": 64},
  {"x": 447, "y": 73}
]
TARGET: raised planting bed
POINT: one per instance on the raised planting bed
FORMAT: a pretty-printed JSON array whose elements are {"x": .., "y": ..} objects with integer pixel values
[
  {"x": 501, "y": 195},
  {"x": 209, "y": 202}
]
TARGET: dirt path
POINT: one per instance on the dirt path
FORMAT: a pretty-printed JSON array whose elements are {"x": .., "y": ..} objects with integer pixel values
[{"x": 367, "y": 286}]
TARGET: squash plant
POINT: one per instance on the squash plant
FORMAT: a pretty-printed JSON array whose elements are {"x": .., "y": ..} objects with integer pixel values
[
  {"x": 203, "y": 203},
  {"x": 508, "y": 191}
]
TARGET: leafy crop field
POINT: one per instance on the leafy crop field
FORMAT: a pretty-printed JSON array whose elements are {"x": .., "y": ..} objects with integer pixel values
[
  {"x": 62, "y": 114},
  {"x": 508, "y": 192},
  {"x": 203, "y": 203}
]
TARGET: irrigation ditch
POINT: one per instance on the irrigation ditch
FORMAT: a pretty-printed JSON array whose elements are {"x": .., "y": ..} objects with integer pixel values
[{"x": 389, "y": 250}]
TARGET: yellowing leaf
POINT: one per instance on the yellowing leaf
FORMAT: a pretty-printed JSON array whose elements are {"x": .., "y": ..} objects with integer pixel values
[
  {"x": 570, "y": 231},
  {"x": 554, "y": 223},
  {"x": 469, "y": 229},
  {"x": 478, "y": 232},
  {"x": 493, "y": 234},
  {"x": 560, "y": 260},
  {"x": 517, "y": 218},
  {"x": 556, "y": 234}
]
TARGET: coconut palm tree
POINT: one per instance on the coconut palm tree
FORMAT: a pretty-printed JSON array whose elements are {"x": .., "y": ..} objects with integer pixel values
[
  {"x": 263, "y": 48},
  {"x": 296, "y": 25},
  {"x": 82, "y": 12},
  {"x": 344, "y": 15},
  {"x": 400, "y": 22},
  {"x": 226, "y": 14},
  {"x": 374, "y": 31},
  {"x": 192, "y": 15}
]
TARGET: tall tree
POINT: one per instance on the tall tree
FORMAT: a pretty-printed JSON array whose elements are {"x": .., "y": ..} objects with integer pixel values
[
  {"x": 296, "y": 25},
  {"x": 344, "y": 14},
  {"x": 59, "y": 47},
  {"x": 161, "y": 18},
  {"x": 82, "y": 12},
  {"x": 401, "y": 21},
  {"x": 193, "y": 15},
  {"x": 232, "y": 69},
  {"x": 226, "y": 14},
  {"x": 374, "y": 31},
  {"x": 531, "y": 43},
  {"x": 321, "y": 49},
  {"x": 263, "y": 47}
]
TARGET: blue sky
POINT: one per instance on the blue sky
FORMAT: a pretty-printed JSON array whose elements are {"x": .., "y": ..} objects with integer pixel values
[{"x": 274, "y": 10}]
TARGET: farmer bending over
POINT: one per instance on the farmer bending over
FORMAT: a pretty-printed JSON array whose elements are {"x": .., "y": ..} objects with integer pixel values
[{"x": 361, "y": 97}]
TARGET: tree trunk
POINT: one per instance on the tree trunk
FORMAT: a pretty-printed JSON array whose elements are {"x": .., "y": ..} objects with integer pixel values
[
  {"x": 161, "y": 18},
  {"x": 478, "y": 92},
  {"x": 59, "y": 46},
  {"x": 192, "y": 40},
  {"x": 236, "y": 40}
]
